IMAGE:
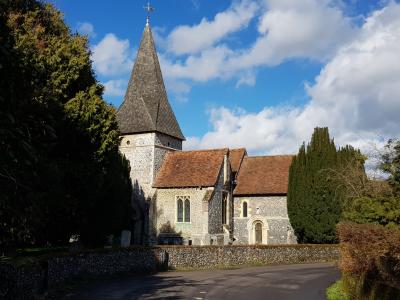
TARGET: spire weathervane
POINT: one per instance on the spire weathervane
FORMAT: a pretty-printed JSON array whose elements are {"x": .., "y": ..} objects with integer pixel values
[{"x": 149, "y": 9}]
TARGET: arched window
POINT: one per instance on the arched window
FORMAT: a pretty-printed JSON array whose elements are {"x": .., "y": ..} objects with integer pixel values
[
  {"x": 187, "y": 210},
  {"x": 183, "y": 208},
  {"x": 244, "y": 209},
  {"x": 180, "y": 210}
]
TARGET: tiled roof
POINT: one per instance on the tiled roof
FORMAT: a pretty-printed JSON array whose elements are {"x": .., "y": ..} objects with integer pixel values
[
  {"x": 236, "y": 157},
  {"x": 264, "y": 175},
  {"x": 146, "y": 107},
  {"x": 190, "y": 169}
]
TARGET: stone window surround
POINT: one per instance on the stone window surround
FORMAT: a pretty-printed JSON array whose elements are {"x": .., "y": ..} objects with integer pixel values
[
  {"x": 183, "y": 198},
  {"x": 250, "y": 227},
  {"x": 241, "y": 209}
]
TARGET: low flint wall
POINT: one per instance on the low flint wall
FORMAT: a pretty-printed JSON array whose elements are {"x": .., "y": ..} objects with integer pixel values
[
  {"x": 28, "y": 281},
  {"x": 204, "y": 257}
]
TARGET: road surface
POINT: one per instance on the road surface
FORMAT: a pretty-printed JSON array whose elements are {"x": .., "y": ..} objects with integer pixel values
[{"x": 283, "y": 282}]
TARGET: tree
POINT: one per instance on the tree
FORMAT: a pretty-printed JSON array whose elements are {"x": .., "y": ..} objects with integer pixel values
[
  {"x": 380, "y": 210},
  {"x": 62, "y": 173},
  {"x": 368, "y": 200},
  {"x": 391, "y": 164},
  {"x": 314, "y": 201}
]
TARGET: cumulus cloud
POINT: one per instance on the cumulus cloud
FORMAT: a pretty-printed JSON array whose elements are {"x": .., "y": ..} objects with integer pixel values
[
  {"x": 115, "y": 88},
  {"x": 192, "y": 39},
  {"x": 356, "y": 95},
  {"x": 179, "y": 89},
  {"x": 312, "y": 29},
  {"x": 86, "y": 28},
  {"x": 112, "y": 56},
  {"x": 297, "y": 29},
  {"x": 208, "y": 65}
]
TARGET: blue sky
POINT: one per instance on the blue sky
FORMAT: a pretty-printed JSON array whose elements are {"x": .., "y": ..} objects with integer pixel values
[{"x": 258, "y": 74}]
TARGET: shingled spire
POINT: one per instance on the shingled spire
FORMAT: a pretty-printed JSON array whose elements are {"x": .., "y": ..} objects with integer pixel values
[{"x": 146, "y": 107}]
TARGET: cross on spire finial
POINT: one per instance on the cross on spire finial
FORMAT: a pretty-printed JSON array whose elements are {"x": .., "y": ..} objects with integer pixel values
[{"x": 149, "y": 9}]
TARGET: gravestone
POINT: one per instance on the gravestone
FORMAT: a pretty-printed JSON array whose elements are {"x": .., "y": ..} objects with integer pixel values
[{"x": 125, "y": 238}]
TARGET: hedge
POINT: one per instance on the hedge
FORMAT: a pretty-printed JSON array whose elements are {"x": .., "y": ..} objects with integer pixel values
[{"x": 370, "y": 260}]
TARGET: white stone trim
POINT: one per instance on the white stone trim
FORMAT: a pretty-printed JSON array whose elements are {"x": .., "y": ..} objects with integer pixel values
[
  {"x": 185, "y": 197},
  {"x": 241, "y": 209},
  {"x": 251, "y": 232}
]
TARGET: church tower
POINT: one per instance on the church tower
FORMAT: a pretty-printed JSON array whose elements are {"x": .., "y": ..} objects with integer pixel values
[{"x": 148, "y": 129}]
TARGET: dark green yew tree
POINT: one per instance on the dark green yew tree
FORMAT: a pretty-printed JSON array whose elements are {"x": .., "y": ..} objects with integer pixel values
[
  {"x": 60, "y": 169},
  {"x": 314, "y": 200}
]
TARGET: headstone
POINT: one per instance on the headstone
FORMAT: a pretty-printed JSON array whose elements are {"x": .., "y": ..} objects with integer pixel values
[{"x": 125, "y": 238}]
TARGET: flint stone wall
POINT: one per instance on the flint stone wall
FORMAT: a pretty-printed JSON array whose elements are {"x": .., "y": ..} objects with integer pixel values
[
  {"x": 143, "y": 260},
  {"x": 208, "y": 257},
  {"x": 22, "y": 282},
  {"x": 271, "y": 211},
  {"x": 195, "y": 230},
  {"x": 27, "y": 282}
]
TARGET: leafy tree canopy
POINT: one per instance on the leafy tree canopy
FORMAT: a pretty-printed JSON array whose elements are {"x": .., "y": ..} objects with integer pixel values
[{"x": 61, "y": 172}]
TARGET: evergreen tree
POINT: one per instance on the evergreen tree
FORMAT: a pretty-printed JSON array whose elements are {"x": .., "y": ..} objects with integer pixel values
[
  {"x": 60, "y": 169},
  {"x": 314, "y": 200}
]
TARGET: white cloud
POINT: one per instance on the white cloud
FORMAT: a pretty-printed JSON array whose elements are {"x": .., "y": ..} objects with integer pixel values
[
  {"x": 247, "y": 78},
  {"x": 179, "y": 89},
  {"x": 192, "y": 39},
  {"x": 158, "y": 36},
  {"x": 208, "y": 65},
  {"x": 115, "y": 88},
  {"x": 356, "y": 95},
  {"x": 311, "y": 29},
  {"x": 112, "y": 56},
  {"x": 86, "y": 28},
  {"x": 287, "y": 29}
]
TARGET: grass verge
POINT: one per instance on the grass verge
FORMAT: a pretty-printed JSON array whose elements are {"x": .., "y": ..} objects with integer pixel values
[{"x": 336, "y": 291}]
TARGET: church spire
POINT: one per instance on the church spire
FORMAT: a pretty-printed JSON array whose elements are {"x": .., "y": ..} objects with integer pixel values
[{"x": 146, "y": 107}]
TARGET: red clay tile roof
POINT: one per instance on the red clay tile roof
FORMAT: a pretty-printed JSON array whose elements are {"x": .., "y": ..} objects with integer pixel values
[
  {"x": 263, "y": 175},
  {"x": 236, "y": 158},
  {"x": 190, "y": 168}
]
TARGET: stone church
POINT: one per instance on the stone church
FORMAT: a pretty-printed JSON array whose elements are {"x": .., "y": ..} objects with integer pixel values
[{"x": 202, "y": 197}]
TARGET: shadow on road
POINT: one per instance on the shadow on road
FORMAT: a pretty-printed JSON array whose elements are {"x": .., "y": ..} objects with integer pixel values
[
  {"x": 285, "y": 282},
  {"x": 148, "y": 287}
]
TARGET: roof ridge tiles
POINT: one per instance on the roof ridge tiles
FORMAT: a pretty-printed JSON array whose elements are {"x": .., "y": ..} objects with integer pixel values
[
  {"x": 203, "y": 150},
  {"x": 263, "y": 156}
]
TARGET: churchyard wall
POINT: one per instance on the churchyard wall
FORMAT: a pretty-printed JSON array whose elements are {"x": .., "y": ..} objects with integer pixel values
[{"x": 28, "y": 281}]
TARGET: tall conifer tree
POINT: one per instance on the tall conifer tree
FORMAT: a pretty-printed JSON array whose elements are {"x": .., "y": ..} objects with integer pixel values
[{"x": 314, "y": 202}]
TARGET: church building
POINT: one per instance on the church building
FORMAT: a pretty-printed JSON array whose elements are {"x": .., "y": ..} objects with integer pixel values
[{"x": 201, "y": 197}]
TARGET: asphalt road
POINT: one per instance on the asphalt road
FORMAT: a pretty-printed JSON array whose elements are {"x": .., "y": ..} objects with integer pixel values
[{"x": 306, "y": 281}]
